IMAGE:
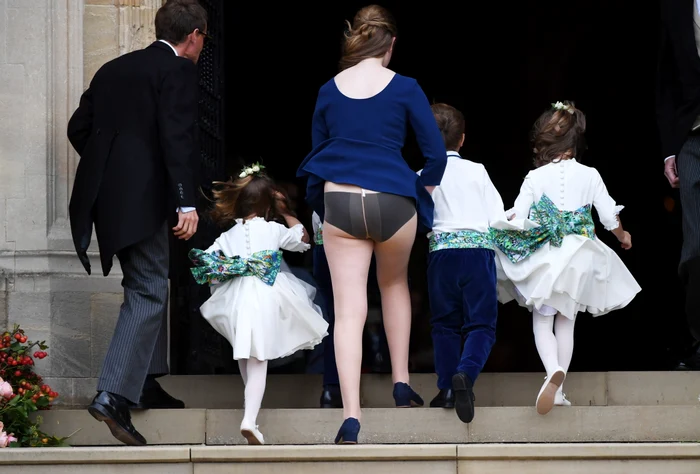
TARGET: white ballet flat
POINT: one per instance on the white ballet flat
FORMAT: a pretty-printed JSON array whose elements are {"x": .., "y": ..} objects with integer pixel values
[
  {"x": 252, "y": 434},
  {"x": 548, "y": 392},
  {"x": 560, "y": 400}
]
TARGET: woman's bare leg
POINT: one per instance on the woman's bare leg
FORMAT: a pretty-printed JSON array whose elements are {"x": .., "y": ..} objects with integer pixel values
[
  {"x": 348, "y": 260},
  {"x": 392, "y": 275}
]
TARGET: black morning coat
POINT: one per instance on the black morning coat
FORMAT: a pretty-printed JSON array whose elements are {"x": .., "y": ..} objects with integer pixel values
[
  {"x": 136, "y": 133},
  {"x": 678, "y": 81}
]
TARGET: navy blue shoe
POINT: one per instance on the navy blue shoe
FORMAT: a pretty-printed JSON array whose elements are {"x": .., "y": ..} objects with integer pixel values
[
  {"x": 347, "y": 434},
  {"x": 405, "y": 397},
  {"x": 464, "y": 397}
]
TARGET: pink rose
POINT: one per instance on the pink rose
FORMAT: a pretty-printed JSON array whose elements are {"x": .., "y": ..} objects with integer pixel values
[
  {"x": 6, "y": 439},
  {"x": 5, "y": 389}
]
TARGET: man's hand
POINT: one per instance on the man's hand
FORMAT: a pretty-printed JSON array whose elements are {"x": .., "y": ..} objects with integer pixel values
[
  {"x": 671, "y": 172},
  {"x": 186, "y": 224}
]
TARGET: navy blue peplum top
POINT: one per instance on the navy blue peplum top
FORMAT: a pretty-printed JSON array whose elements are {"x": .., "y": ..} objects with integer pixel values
[{"x": 359, "y": 142}]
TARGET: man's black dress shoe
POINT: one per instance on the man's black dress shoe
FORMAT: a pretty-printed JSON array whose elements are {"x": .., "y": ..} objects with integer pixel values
[
  {"x": 330, "y": 397},
  {"x": 153, "y": 397},
  {"x": 114, "y": 411},
  {"x": 464, "y": 397},
  {"x": 444, "y": 399}
]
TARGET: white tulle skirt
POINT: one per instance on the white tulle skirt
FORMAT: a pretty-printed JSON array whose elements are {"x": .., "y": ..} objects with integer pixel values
[
  {"x": 582, "y": 275},
  {"x": 266, "y": 322}
]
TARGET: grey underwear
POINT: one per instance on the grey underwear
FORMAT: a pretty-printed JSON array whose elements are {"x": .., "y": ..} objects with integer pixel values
[{"x": 375, "y": 216}]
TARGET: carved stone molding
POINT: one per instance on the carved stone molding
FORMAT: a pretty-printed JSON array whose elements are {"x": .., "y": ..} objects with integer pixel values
[
  {"x": 136, "y": 18},
  {"x": 65, "y": 85}
]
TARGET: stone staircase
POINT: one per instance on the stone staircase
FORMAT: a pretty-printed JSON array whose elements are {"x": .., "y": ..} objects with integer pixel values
[{"x": 637, "y": 422}]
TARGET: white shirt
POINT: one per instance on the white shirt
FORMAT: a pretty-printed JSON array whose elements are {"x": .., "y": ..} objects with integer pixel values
[
  {"x": 183, "y": 209},
  {"x": 570, "y": 185},
  {"x": 257, "y": 234},
  {"x": 466, "y": 199}
]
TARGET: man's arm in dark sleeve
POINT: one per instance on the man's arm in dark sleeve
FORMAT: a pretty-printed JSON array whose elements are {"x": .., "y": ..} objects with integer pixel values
[
  {"x": 177, "y": 119},
  {"x": 80, "y": 124}
]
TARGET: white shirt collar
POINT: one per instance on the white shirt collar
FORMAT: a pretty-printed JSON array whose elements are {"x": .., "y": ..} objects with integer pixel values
[
  {"x": 454, "y": 153},
  {"x": 171, "y": 47}
]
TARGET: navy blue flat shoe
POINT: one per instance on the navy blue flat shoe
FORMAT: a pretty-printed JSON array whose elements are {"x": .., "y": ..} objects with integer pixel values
[
  {"x": 347, "y": 434},
  {"x": 405, "y": 397}
]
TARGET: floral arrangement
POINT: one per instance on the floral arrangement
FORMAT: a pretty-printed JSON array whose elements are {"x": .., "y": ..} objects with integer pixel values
[
  {"x": 251, "y": 170},
  {"x": 23, "y": 392},
  {"x": 562, "y": 106}
]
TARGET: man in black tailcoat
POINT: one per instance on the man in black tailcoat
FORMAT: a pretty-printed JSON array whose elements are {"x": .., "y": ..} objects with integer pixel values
[
  {"x": 135, "y": 132},
  {"x": 678, "y": 110}
]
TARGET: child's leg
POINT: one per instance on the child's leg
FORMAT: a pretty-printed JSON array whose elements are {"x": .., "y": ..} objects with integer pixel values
[
  {"x": 480, "y": 312},
  {"x": 445, "y": 300},
  {"x": 242, "y": 364},
  {"x": 548, "y": 350},
  {"x": 256, "y": 378},
  {"x": 564, "y": 332},
  {"x": 545, "y": 341}
]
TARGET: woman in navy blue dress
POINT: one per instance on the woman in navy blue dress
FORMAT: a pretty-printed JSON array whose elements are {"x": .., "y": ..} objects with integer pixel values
[{"x": 369, "y": 199}]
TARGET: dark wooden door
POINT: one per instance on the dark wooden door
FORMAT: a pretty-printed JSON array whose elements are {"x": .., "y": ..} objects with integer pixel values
[{"x": 195, "y": 348}]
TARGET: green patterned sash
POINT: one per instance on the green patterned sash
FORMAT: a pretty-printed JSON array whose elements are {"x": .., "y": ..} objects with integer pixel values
[
  {"x": 462, "y": 239},
  {"x": 215, "y": 267},
  {"x": 554, "y": 225},
  {"x": 318, "y": 236}
]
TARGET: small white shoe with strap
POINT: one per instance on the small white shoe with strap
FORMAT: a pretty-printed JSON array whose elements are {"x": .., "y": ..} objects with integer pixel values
[
  {"x": 251, "y": 433},
  {"x": 546, "y": 397}
]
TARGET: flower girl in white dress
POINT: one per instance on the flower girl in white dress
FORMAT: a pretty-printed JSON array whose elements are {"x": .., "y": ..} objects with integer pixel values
[
  {"x": 549, "y": 257},
  {"x": 264, "y": 313}
]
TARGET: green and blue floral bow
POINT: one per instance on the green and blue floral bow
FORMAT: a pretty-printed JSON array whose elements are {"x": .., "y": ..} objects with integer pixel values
[
  {"x": 215, "y": 267},
  {"x": 554, "y": 225}
]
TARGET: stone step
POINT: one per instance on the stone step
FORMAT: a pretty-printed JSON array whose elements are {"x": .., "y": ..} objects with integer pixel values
[
  {"x": 491, "y": 390},
  {"x": 600, "y": 458},
  {"x": 397, "y": 426}
]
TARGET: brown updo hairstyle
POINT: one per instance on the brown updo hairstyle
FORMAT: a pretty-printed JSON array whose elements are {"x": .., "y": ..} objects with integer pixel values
[
  {"x": 256, "y": 194},
  {"x": 450, "y": 121},
  {"x": 369, "y": 36},
  {"x": 559, "y": 134}
]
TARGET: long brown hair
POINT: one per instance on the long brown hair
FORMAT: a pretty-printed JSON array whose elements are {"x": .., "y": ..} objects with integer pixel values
[
  {"x": 369, "y": 36},
  {"x": 558, "y": 133},
  {"x": 256, "y": 194}
]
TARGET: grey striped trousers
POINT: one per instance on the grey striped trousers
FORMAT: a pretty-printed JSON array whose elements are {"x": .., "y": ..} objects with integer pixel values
[
  {"x": 688, "y": 167},
  {"x": 139, "y": 345}
]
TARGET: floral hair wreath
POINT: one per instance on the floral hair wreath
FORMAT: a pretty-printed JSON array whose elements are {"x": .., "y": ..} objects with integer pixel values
[
  {"x": 255, "y": 168},
  {"x": 562, "y": 106}
]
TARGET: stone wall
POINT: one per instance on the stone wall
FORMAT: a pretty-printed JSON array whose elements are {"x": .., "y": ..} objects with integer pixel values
[{"x": 49, "y": 50}]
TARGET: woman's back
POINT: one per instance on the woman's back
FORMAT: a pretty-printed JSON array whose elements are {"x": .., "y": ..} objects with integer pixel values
[
  {"x": 380, "y": 119},
  {"x": 357, "y": 138}
]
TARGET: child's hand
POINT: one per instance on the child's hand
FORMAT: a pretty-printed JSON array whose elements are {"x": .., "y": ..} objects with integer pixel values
[
  {"x": 281, "y": 202},
  {"x": 626, "y": 241}
]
